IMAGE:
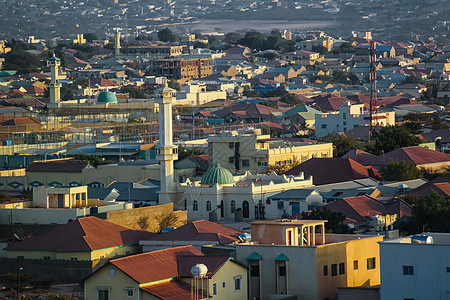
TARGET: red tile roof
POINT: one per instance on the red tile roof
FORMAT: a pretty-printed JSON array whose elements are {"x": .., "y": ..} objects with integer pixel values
[
  {"x": 361, "y": 157},
  {"x": 202, "y": 160},
  {"x": 440, "y": 185},
  {"x": 172, "y": 290},
  {"x": 415, "y": 154},
  {"x": 358, "y": 209},
  {"x": 57, "y": 165},
  {"x": 156, "y": 265},
  {"x": 21, "y": 121},
  {"x": 332, "y": 170},
  {"x": 201, "y": 230},
  {"x": 329, "y": 102},
  {"x": 85, "y": 234}
]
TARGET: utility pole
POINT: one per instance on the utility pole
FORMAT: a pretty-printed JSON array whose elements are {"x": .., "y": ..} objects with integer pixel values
[{"x": 373, "y": 84}]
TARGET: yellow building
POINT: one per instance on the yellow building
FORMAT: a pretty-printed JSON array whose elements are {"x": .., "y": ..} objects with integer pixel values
[
  {"x": 166, "y": 274},
  {"x": 251, "y": 151},
  {"x": 296, "y": 257},
  {"x": 86, "y": 239},
  {"x": 3, "y": 49}
]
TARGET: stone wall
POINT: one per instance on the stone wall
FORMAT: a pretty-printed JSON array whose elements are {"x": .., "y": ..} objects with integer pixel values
[{"x": 147, "y": 218}]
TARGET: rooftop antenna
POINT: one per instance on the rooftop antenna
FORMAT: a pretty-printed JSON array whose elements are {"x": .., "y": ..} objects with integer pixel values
[{"x": 373, "y": 84}]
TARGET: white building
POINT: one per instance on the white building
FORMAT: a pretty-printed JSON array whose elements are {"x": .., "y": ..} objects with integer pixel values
[
  {"x": 197, "y": 94},
  {"x": 416, "y": 267},
  {"x": 348, "y": 117}
]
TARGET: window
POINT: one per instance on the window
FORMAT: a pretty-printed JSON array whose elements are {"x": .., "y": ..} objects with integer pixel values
[
  {"x": 408, "y": 270},
  {"x": 231, "y": 159},
  {"x": 281, "y": 270},
  {"x": 233, "y": 206},
  {"x": 344, "y": 116},
  {"x": 334, "y": 270},
  {"x": 325, "y": 270},
  {"x": 341, "y": 268},
  {"x": 73, "y": 258},
  {"x": 355, "y": 265},
  {"x": 323, "y": 126},
  {"x": 103, "y": 294},
  {"x": 254, "y": 272},
  {"x": 262, "y": 163},
  {"x": 345, "y": 123},
  {"x": 237, "y": 283},
  {"x": 280, "y": 204},
  {"x": 223, "y": 284},
  {"x": 371, "y": 263},
  {"x": 208, "y": 205},
  {"x": 83, "y": 196},
  {"x": 231, "y": 145},
  {"x": 195, "y": 205},
  {"x": 245, "y": 163},
  {"x": 77, "y": 196},
  {"x": 130, "y": 292},
  {"x": 214, "y": 289},
  {"x": 448, "y": 269}
]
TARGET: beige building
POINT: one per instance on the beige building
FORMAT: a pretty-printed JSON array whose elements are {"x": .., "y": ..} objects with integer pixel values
[
  {"x": 167, "y": 274},
  {"x": 198, "y": 94},
  {"x": 296, "y": 258},
  {"x": 159, "y": 51},
  {"x": 251, "y": 151}
]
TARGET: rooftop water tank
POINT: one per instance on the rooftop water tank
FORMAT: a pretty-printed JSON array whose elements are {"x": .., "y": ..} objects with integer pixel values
[{"x": 421, "y": 239}]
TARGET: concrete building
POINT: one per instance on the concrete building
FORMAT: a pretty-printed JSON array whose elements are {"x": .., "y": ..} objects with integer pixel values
[
  {"x": 249, "y": 150},
  {"x": 416, "y": 267},
  {"x": 166, "y": 274},
  {"x": 154, "y": 50},
  {"x": 291, "y": 259},
  {"x": 198, "y": 94},
  {"x": 179, "y": 69},
  {"x": 348, "y": 117}
]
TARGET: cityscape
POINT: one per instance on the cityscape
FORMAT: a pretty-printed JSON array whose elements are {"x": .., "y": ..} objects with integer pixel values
[{"x": 254, "y": 150}]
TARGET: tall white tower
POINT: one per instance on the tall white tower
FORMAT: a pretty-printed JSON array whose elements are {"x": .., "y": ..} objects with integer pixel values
[
  {"x": 117, "y": 44},
  {"x": 54, "y": 86},
  {"x": 166, "y": 152}
]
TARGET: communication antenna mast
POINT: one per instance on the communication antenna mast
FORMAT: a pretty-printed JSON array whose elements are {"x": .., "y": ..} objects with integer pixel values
[{"x": 373, "y": 84}]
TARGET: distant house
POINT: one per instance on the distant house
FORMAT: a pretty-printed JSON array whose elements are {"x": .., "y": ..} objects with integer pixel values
[
  {"x": 303, "y": 57},
  {"x": 440, "y": 185},
  {"x": 368, "y": 212},
  {"x": 344, "y": 169},
  {"x": 166, "y": 274},
  {"x": 196, "y": 233}
]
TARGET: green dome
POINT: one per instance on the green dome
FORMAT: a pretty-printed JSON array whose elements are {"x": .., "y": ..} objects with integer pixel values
[
  {"x": 106, "y": 97},
  {"x": 217, "y": 175}
]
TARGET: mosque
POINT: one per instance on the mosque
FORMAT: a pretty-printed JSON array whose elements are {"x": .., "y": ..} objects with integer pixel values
[{"x": 220, "y": 194}]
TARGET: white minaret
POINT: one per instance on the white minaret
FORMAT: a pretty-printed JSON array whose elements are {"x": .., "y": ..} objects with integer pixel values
[
  {"x": 166, "y": 152},
  {"x": 54, "y": 86},
  {"x": 117, "y": 44}
]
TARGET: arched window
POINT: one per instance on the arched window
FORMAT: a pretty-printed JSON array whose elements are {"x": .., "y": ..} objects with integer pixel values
[
  {"x": 195, "y": 205},
  {"x": 233, "y": 206},
  {"x": 208, "y": 205}
]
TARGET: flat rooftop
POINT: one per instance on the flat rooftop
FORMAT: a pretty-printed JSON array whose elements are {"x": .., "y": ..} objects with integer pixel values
[
  {"x": 438, "y": 238},
  {"x": 290, "y": 222}
]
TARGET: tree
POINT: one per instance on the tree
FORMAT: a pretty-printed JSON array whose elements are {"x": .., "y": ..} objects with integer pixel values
[
  {"x": 432, "y": 213},
  {"x": 343, "y": 144},
  {"x": 254, "y": 39},
  {"x": 251, "y": 93},
  {"x": 173, "y": 84},
  {"x": 390, "y": 138},
  {"x": 232, "y": 37},
  {"x": 413, "y": 127},
  {"x": 133, "y": 91},
  {"x": 184, "y": 152},
  {"x": 66, "y": 93},
  {"x": 22, "y": 62},
  {"x": 413, "y": 79},
  {"x": 353, "y": 78},
  {"x": 166, "y": 35},
  {"x": 339, "y": 76},
  {"x": 320, "y": 49},
  {"x": 91, "y": 159},
  {"x": 90, "y": 36},
  {"x": 335, "y": 220},
  {"x": 346, "y": 48},
  {"x": 400, "y": 171},
  {"x": 280, "y": 169},
  {"x": 201, "y": 45}
]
